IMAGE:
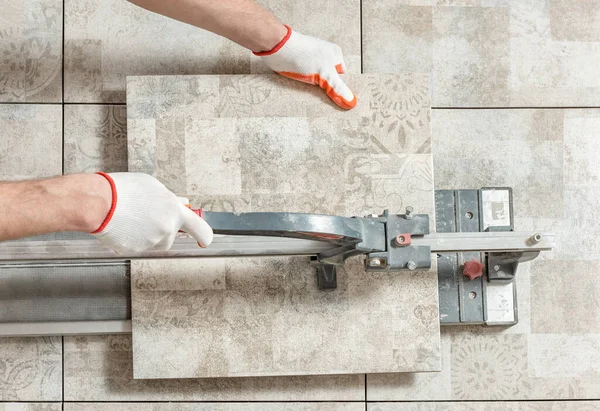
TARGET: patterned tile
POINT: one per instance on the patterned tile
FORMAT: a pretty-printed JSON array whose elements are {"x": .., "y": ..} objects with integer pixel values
[
  {"x": 489, "y": 53},
  {"x": 31, "y": 143},
  {"x": 563, "y": 303},
  {"x": 30, "y": 369},
  {"x": 547, "y": 156},
  {"x": 95, "y": 138},
  {"x": 31, "y": 51},
  {"x": 265, "y": 131},
  {"x": 100, "y": 368},
  {"x": 98, "y": 56},
  {"x": 487, "y": 406}
]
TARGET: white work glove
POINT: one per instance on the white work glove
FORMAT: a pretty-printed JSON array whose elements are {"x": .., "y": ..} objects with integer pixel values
[
  {"x": 311, "y": 61},
  {"x": 145, "y": 215}
]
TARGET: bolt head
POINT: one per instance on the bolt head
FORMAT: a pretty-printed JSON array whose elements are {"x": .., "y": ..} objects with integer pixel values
[
  {"x": 496, "y": 267},
  {"x": 375, "y": 262},
  {"x": 536, "y": 238},
  {"x": 411, "y": 265}
]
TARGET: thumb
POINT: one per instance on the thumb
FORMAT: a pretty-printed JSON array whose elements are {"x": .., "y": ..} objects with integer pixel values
[
  {"x": 195, "y": 226},
  {"x": 337, "y": 90}
]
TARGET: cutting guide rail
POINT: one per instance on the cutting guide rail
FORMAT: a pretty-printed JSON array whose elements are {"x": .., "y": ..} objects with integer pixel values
[{"x": 73, "y": 265}]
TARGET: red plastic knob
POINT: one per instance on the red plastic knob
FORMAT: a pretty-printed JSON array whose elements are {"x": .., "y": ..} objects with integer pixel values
[{"x": 473, "y": 269}]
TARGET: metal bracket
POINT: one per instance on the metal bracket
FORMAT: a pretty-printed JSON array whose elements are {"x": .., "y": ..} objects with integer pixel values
[
  {"x": 400, "y": 253},
  {"x": 503, "y": 266}
]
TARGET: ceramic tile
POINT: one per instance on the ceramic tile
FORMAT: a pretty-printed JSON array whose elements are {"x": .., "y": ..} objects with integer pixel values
[
  {"x": 579, "y": 21},
  {"x": 31, "y": 143},
  {"x": 547, "y": 157},
  {"x": 562, "y": 302},
  {"x": 31, "y": 50},
  {"x": 274, "y": 302},
  {"x": 487, "y": 406},
  {"x": 334, "y": 406},
  {"x": 98, "y": 56},
  {"x": 489, "y": 53},
  {"x": 38, "y": 406},
  {"x": 95, "y": 138},
  {"x": 30, "y": 369},
  {"x": 100, "y": 368}
]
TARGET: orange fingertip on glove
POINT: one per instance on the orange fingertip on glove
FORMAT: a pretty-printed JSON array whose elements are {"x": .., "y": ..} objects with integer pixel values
[{"x": 313, "y": 61}]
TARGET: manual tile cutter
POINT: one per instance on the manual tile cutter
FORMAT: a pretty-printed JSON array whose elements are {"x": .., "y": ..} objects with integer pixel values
[{"x": 390, "y": 242}]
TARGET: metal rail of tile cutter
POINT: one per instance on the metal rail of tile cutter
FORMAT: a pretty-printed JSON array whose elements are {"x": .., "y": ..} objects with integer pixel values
[{"x": 389, "y": 242}]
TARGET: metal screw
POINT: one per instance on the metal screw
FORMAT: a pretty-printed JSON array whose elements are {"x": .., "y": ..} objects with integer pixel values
[
  {"x": 536, "y": 238},
  {"x": 411, "y": 265},
  {"x": 400, "y": 240},
  {"x": 408, "y": 213},
  {"x": 496, "y": 267},
  {"x": 375, "y": 262}
]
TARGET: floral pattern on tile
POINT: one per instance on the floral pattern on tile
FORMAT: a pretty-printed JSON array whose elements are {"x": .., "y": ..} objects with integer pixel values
[
  {"x": 30, "y": 369},
  {"x": 31, "y": 51},
  {"x": 95, "y": 138}
]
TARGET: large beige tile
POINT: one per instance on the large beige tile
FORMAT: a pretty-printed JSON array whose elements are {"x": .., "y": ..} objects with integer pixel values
[
  {"x": 266, "y": 316},
  {"x": 30, "y": 369},
  {"x": 31, "y": 143},
  {"x": 100, "y": 369},
  {"x": 95, "y": 138},
  {"x": 547, "y": 157},
  {"x": 288, "y": 406},
  {"x": 31, "y": 50},
  {"x": 489, "y": 53},
  {"x": 487, "y": 406},
  {"x": 98, "y": 55}
]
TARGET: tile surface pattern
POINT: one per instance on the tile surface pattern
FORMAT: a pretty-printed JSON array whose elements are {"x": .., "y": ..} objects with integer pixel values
[
  {"x": 546, "y": 156},
  {"x": 31, "y": 51},
  {"x": 489, "y": 53},
  {"x": 95, "y": 138},
  {"x": 31, "y": 142},
  {"x": 266, "y": 316},
  {"x": 100, "y": 368},
  {"x": 30, "y": 369},
  {"x": 98, "y": 55}
]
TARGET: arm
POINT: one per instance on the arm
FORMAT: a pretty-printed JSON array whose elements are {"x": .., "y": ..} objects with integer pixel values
[
  {"x": 241, "y": 21},
  {"x": 287, "y": 52},
  {"x": 78, "y": 202},
  {"x": 126, "y": 211}
]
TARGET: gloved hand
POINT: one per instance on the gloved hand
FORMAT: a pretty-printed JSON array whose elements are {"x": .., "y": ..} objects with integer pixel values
[
  {"x": 312, "y": 61},
  {"x": 145, "y": 215}
]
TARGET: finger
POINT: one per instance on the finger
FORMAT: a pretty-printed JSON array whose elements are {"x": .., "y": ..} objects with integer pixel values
[
  {"x": 196, "y": 227},
  {"x": 185, "y": 201},
  {"x": 166, "y": 243},
  {"x": 337, "y": 90},
  {"x": 340, "y": 66}
]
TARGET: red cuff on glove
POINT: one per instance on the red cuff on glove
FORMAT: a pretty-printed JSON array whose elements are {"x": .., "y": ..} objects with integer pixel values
[
  {"x": 113, "y": 204},
  {"x": 277, "y": 46}
]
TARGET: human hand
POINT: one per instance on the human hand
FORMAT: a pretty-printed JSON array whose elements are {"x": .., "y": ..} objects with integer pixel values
[
  {"x": 145, "y": 215},
  {"x": 313, "y": 61}
]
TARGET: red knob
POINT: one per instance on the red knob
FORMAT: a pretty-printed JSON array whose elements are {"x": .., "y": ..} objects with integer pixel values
[{"x": 473, "y": 269}]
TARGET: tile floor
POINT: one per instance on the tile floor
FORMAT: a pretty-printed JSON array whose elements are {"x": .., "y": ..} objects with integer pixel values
[{"x": 480, "y": 53}]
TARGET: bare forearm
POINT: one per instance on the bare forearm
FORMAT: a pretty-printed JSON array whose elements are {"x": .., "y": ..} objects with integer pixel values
[
  {"x": 242, "y": 21},
  {"x": 78, "y": 202}
]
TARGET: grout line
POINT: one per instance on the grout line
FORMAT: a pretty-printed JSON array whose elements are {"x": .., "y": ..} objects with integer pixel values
[
  {"x": 365, "y": 391},
  {"x": 207, "y": 401},
  {"x": 361, "y": 37},
  {"x": 63, "y": 371},
  {"x": 517, "y": 108},
  {"x": 63, "y": 123},
  {"x": 485, "y": 401}
]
